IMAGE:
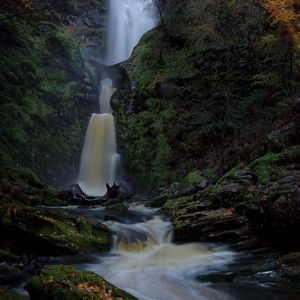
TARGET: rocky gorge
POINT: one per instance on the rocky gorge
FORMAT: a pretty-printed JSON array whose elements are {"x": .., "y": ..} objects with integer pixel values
[{"x": 207, "y": 113}]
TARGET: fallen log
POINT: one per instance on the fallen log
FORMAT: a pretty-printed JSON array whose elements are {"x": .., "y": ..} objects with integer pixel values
[{"x": 75, "y": 195}]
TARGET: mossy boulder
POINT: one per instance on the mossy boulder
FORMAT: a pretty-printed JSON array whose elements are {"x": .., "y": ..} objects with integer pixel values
[
  {"x": 65, "y": 282},
  {"x": 49, "y": 232},
  {"x": 23, "y": 185}
]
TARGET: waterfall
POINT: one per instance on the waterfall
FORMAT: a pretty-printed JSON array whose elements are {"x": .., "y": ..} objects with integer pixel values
[
  {"x": 99, "y": 158},
  {"x": 146, "y": 263},
  {"x": 128, "y": 21}
]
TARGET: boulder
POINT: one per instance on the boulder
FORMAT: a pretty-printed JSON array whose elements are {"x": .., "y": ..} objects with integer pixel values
[
  {"x": 65, "y": 282},
  {"x": 49, "y": 232}
]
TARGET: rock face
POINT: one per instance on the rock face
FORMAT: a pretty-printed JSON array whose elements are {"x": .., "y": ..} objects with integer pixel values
[
  {"x": 65, "y": 282},
  {"x": 27, "y": 230},
  {"x": 261, "y": 199},
  {"x": 44, "y": 120}
]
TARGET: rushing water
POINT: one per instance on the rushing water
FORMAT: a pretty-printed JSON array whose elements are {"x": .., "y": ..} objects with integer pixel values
[
  {"x": 128, "y": 20},
  {"x": 99, "y": 158},
  {"x": 146, "y": 263}
]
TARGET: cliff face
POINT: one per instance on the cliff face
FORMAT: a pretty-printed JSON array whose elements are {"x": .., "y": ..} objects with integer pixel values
[
  {"x": 214, "y": 85},
  {"x": 49, "y": 84}
]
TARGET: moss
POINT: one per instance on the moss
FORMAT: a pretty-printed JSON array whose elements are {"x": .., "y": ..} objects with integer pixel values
[
  {"x": 175, "y": 204},
  {"x": 232, "y": 173},
  {"x": 50, "y": 232},
  {"x": 263, "y": 166},
  {"x": 30, "y": 177},
  {"x": 193, "y": 178},
  {"x": 42, "y": 87},
  {"x": 148, "y": 157},
  {"x": 65, "y": 282},
  {"x": 293, "y": 153}
]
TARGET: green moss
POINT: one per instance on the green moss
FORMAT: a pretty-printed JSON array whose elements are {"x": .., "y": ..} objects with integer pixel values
[
  {"x": 65, "y": 282},
  {"x": 55, "y": 232},
  {"x": 263, "y": 167},
  {"x": 232, "y": 173},
  {"x": 175, "y": 204},
  {"x": 42, "y": 86},
  {"x": 30, "y": 177},
  {"x": 193, "y": 178},
  {"x": 150, "y": 151}
]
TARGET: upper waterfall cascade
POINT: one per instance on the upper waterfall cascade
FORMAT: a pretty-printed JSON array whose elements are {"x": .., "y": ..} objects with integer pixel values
[{"x": 128, "y": 20}]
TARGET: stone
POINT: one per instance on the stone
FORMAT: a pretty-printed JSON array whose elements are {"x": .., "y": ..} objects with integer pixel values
[
  {"x": 65, "y": 282},
  {"x": 49, "y": 232}
]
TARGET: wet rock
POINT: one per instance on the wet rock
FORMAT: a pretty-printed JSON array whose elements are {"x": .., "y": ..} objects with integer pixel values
[
  {"x": 116, "y": 205},
  {"x": 261, "y": 199},
  {"x": 44, "y": 232},
  {"x": 65, "y": 282},
  {"x": 203, "y": 184}
]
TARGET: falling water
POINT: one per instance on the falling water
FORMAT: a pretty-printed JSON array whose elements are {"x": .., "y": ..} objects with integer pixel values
[
  {"x": 128, "y": 21},
  {"x": 99, "y": 156}
]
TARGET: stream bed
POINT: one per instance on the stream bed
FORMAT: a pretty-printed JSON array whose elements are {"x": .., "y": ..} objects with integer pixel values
[{"x": 145, "y": 262}]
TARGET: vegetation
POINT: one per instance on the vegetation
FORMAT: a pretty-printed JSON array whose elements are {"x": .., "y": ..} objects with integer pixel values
[
  {"x": 43, "y": 84},
  {"x": 228, "y": 72}
]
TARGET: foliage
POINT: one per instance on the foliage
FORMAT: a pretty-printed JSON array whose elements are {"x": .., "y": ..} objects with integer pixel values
[
  {"x": 43, "y": 86},
  {"x": 146, "y": 138},
  {"x": 219, "y": 67}
]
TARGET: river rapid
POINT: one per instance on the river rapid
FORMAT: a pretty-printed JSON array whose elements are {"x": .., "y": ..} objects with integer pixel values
[{"x": 145, "y": 261}]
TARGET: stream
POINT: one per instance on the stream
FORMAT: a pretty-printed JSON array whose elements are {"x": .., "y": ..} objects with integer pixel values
[{"x": 145, "y": 262}]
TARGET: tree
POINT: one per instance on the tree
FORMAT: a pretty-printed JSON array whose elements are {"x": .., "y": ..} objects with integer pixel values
[{"x": 284, "y": 14}]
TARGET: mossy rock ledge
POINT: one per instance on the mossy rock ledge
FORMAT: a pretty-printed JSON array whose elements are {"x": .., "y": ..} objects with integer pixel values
[
  {"x": 65, "y": 282},
  {"x": 259, "y": 199},
  {"x": 49, "y": 232}
]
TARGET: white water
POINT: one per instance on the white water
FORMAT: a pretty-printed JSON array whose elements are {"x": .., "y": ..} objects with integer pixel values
[
  {"x": 99, "y": 157},
  {"x": 107, "y": 90},
  {"x": 148, "y": 265},
  {"x": 128, "y": 20}
]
